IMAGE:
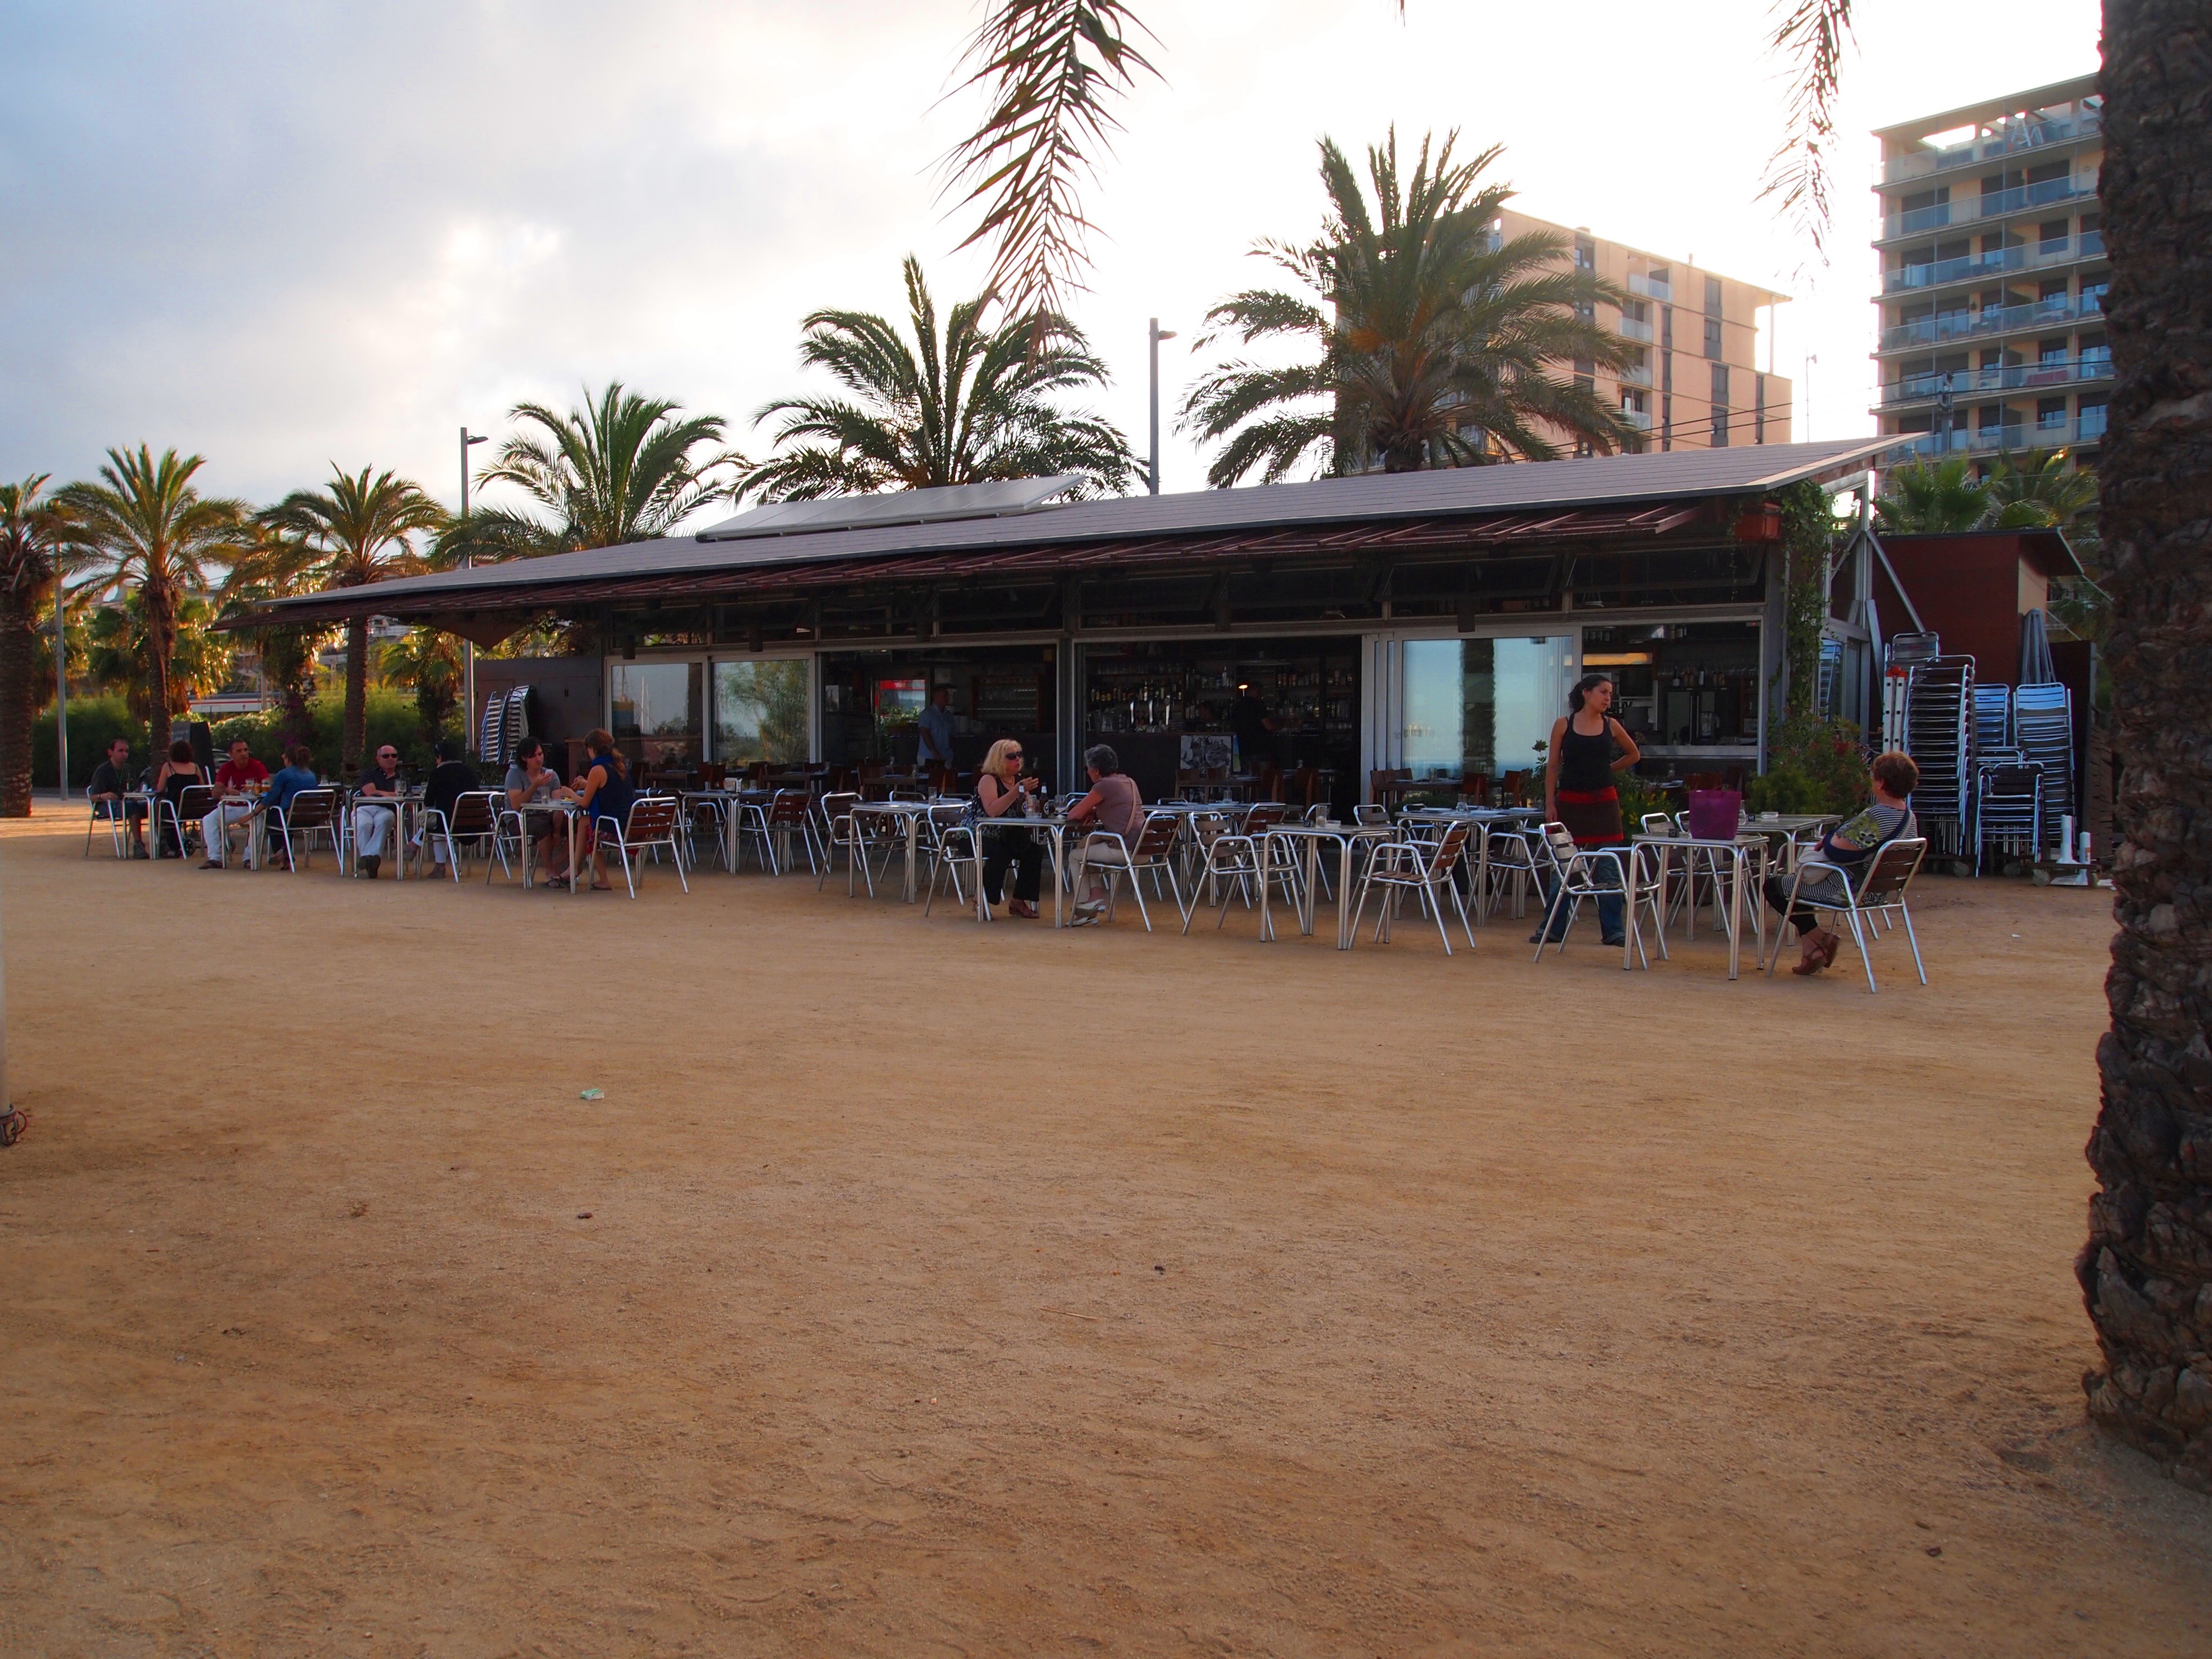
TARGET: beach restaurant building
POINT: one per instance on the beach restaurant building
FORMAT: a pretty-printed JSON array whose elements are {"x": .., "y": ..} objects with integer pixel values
[{"x": 1430, "y": 621}]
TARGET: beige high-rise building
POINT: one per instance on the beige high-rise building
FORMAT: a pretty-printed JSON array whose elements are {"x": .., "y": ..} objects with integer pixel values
[
  {"x": 1699, "y": 384},
  {"x": 1993, "y": 275}
]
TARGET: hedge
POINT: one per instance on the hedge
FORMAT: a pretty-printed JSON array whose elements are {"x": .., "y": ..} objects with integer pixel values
[{"x": 392, "y": 718}]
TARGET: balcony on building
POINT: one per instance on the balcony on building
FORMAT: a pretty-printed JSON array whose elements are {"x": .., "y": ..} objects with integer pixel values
[
  {"x": 1651, "y": 286},
  {"x": 2012, "y": 377},
  {"x": 2003, "y": 139}
]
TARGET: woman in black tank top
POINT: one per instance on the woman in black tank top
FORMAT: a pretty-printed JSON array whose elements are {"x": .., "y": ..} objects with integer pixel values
[{"x": 1588, "y": 747}]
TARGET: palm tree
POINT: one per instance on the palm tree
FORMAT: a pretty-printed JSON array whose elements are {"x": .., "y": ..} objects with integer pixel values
[
  {"x": 362, "y": 529},
  {"x": 34, "y": 552},
  {"x": 2038, "y": 491},
  {"x": 117, "y": 642},
  {"x": 1931, "y": 497},
  {"x": 429, "y": 663},
  {"x": 962, "y": 406},
  {"x": 274, "y": 564},
  {"x": 622, "y": 469},
  {"x": 1427, "y": 342},
  {"x": 2144, "y": 1270},
  {"x": 152, "y": 536}
]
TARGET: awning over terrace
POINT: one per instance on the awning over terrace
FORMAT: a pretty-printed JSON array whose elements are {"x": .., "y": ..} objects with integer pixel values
[{"x": 1475, "y": 511}]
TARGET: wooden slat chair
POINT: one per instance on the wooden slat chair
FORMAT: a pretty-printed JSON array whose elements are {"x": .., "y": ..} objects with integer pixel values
[
  {"x": 652, "y": 824},
  {"x": 1883, "y": 887},
  {"x": 194, "y": 802},
  {"x": 1154, "y": 851},
  {"x": 313, "y": 812},
  {"x": 474, "y": 819},
  {"x": 1402, "y": 866}
]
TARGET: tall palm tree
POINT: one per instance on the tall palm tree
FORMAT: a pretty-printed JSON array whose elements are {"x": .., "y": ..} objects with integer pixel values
[
  {"x": 117, "y": 642},
  {"x": 151, "y": 535},
  {"x": 1426, "y": 342},
  {"x": 2146, "y": 1270},
  {"x": 965, "y": 404},
  {"x": 624, "y": 468},
  {"x": 273, "y": 563},
  {"x": 1931, "y": 497},
  {"x": 33, "y": 553},
  {"x": 363, "y": 527}
]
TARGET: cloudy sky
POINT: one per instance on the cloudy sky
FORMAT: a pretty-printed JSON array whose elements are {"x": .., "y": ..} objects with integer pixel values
[{"x": 286, "y": 234}]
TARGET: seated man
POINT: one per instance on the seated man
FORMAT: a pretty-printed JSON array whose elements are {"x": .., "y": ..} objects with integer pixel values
[
  {"x": 530, "y": 778},
  {"x": 293, "y": 779},
  {"x": 240, "y": 778},
  {"x": 374, "y": 824},
  {"x": 1114, "y": 804},
  {"x": 1889, "y": 818},
  {"x": 110, "y": 783},
  {"x": 451, "y": 779}
]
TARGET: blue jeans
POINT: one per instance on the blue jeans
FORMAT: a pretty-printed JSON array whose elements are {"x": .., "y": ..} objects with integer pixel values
[{"x": 1605, "y": 873}]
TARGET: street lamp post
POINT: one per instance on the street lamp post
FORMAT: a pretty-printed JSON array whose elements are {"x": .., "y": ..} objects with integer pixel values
[
  {"x": 1152, "y": 475},
  {"x": 468, "y": 647},
  {"x": 61, "y": 701}
]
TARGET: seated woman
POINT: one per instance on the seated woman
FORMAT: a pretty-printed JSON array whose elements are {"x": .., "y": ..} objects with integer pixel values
[
  {"x": 177, "y": 773},
  {"x": 1002, "y": 793},
  {"x": 1889, "y": 818},
  {"x": 604, "y": 794}
]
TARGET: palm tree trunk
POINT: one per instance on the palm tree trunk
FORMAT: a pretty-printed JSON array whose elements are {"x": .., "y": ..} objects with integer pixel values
[
  {"x": 2146, "y": 1272},
  {"x": 161, "y": 646},
  {"x": 354, "y": 737},
  {"x": 15, "y": 708}
]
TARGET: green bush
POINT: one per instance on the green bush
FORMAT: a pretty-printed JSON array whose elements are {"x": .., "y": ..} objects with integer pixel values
[
  {"x": 1812, "y": 766},
  {"x": 392, "y": 718},
  {"x": 94, "y": 723}
]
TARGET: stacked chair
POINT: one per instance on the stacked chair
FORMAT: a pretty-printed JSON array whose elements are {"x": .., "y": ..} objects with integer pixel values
[
  {"x": 2043, "y": 730},
  {"x": 1939, "y": 721}
]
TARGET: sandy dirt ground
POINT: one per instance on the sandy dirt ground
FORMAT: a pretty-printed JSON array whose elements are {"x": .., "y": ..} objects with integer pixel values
[{"x": 920, "y": 1289}]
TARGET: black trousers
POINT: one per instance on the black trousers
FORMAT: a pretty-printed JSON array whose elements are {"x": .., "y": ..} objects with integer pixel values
[
  {"x": 1002, "y": 848},
  {"x": 1776, "y": 889}
]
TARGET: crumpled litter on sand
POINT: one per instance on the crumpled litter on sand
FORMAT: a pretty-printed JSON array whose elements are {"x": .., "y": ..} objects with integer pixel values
[{"x": 592, "y": 1094}]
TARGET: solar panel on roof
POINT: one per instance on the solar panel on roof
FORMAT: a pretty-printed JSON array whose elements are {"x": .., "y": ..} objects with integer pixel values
[{"x": 979, "y": 500}]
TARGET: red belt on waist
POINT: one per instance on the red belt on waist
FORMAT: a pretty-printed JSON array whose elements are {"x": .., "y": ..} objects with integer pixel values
[{"x": 1587, "y": 797}]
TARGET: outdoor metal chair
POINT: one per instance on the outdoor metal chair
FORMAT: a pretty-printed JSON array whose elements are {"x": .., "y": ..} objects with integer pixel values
[
  {"x": 184, "y": 813},
  {"x": 841, "y": 831},
  {"x": 1401, "y": 866},
  {"x": 1154, "y": 851},
  {"x": 1372, "y": 815},
  {"x": 313, "y": 812},
  {"x": 711, "y": 811},
  {"x": 1513, "y": 859},
  {"x": 947, "y": 843},
  {"x": 474, "y": 819},
  {"x": 652, "y": 824},
  {"x": 1249, "y": 861},
  {"x": 1575, "y": 878},
  {"x": 1883, "y": 888},
  {"x": 788, "y": 813},
  {"x": 117, "y": 817}
]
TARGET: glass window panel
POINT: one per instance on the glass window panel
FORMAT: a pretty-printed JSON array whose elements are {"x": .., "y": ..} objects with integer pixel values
[
  {"x": 1480, "y": 705},
  {"x": 760, "y": 712},
  {"x": 655, "y": 710}
]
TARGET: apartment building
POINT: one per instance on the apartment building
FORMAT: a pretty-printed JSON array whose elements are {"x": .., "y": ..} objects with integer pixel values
[
  {"x": 1993, "y": 275},
  {"x": 1696, "y": 383}
]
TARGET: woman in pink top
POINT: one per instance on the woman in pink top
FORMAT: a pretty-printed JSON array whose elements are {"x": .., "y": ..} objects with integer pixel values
[{"x": 1114, "y": 804}]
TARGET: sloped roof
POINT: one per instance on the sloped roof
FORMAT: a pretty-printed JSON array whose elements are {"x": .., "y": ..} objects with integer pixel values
[{"x": 1470, "y": 493}]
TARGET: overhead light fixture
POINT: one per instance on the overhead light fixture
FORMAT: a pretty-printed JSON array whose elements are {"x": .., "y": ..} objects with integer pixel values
[{"x": 1616, "y": 660}]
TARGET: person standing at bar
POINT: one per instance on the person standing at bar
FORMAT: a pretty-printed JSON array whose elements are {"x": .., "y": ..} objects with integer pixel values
[
  {"x": 1588, "y": 747},
  {"x": 933, "y": 746}
]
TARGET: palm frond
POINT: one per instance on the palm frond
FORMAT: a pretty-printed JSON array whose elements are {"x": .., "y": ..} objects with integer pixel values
[
  {"x": 1050, "y": 68},
  {"x": 1812, "y": 37}
]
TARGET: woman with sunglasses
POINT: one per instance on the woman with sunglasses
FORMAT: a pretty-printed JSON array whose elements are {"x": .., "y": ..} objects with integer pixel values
[{"x": 1001, "y": 791}]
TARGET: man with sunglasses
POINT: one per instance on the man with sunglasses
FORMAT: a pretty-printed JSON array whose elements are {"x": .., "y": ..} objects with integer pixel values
[{"x": 372, "y": 824}]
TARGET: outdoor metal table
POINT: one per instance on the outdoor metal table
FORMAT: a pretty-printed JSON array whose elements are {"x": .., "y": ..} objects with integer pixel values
[
  {"x": 256, "y": 824},
  {"x": 912, "y": 812},
  {"x": 567, "y": 809},
  {"x": 1792, "y": 830},
  {"x": 1344, "y": 834},
  {"x": 1055, "y": 828},
  {"x": 729, "y": 806},
  {"x": 1741, "y": 853}
]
